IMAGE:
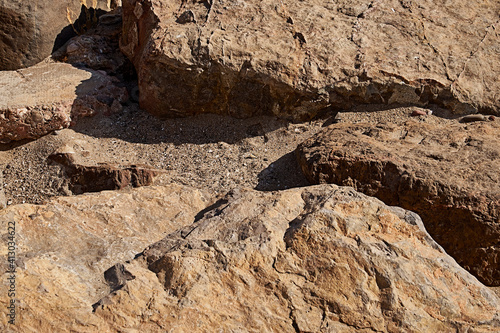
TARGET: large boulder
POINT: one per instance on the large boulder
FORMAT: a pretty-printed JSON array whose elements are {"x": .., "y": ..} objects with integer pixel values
[
  {"x": 64, "y": 247},
  {"x": 314, "y": 259},
  {"x": 447, "y": 173},
  {"x": 319, "y": 258},
  {"x": 297, "y": 58},
  {"x": 50, "y": 96},
  {"x": 29, "y": 32}
]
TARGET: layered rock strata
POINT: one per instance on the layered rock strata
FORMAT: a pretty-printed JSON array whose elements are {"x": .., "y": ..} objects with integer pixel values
[{"x": 447, "y": 173}]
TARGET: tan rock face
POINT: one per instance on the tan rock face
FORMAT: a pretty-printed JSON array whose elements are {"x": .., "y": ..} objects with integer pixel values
[
  {"x": 312, "y": 259},
  {"x": 28, "y": 31},
  {"x": 51, "y": 96},
  {"x": 448, "y": 174},
  {"x": 65, "y": 246},
  {"x": 294, "y": 59},
  {"x": 321, "y": 258}
]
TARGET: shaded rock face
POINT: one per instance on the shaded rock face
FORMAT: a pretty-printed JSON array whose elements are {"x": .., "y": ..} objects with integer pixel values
[
  {"x": 447, "y": 174},
  {"x": 295, "y": 59},
  {"x": 29, "y": 31},
  {"x": 65, "y": 250},
  {"x": 316, "y": 259},
  {"x": 51, "y": 96},
  {"x": 98, "y": 48}
]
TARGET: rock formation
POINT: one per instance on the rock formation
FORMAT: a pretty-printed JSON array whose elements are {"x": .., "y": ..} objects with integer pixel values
[
  {"x": 85, "y": 176},
  {"x": 295, "y": 59},
  {"x": 312, "y": 259},
  {"x": 30, "y": 32},
  {"x": 321, "y": 258},
  {"x": 447, "y": 174},
  {"x": 98, "y": 48},
  {"x": 65, "y": 246},
  {"x": 51, "y": 96}
]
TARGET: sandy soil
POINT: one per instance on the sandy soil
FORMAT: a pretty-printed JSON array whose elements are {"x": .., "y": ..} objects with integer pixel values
[{"x": 212, "y": 152}]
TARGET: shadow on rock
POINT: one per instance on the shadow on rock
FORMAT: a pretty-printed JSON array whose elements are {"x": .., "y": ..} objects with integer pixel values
[
  {"x": 282, "y": 174},
  {"x": 87, "y": 19},
  {"x": 137, "y": 126}
]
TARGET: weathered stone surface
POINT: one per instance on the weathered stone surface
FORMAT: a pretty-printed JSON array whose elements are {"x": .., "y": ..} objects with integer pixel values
[
  {"x": 65, "y": 247},
  {"x": 315, "y": 259},
  {"x": 320, "y": 258},
  {"x": 448, "y": 174},
  {"x": 50, "y": 96},
  {"x": 296, "y": 58},
  {"x": 28, "y": 31},
  {"x": 103, "y": 176}
]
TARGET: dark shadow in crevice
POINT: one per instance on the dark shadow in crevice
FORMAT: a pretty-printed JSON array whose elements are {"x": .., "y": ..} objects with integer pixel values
[
  {"x": 14, "y": 144},
  {"x": 215, "y": 206},
  {"x": 87, "y": 19}
]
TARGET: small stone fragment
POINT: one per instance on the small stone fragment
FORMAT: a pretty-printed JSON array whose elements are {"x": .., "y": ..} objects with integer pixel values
[
  {"x": 117, "y": 276},
  {"x": 419, "y": 112},
  {"x": 475, "y": 117}
]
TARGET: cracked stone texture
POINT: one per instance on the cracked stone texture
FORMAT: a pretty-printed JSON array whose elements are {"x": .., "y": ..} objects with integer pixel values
[
  {"x": 29, "y": 31},
  {"x": 447, "y": 173},
  {"x": 50, "y": 96},
  {"x": 313, "y": 259},
  {"x": 296, "y": 59},
  {"x": 65, "y": 246}
]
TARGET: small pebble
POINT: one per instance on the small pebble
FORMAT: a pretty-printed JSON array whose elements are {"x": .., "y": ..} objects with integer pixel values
[
  {"x": 417, "y": 113},
  {"x": 476, "y": 117}
]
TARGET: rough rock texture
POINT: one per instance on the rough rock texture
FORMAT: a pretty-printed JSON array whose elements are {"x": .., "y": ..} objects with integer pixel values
[
  {"x": 320, "y": 258},
  {"x": 84, "y": 177},
  {"x": 311, "y": 259},
  {"x": 29, "y": 31},
  {"x": 65, "y": 246},
  {"x": 49, "y": 96},
  {"x": 297, "y": 58},
  {"x": 448, "y": 174}
]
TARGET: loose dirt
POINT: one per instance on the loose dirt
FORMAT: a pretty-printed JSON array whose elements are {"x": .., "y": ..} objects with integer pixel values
[{"x": 211, "y": 152}]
